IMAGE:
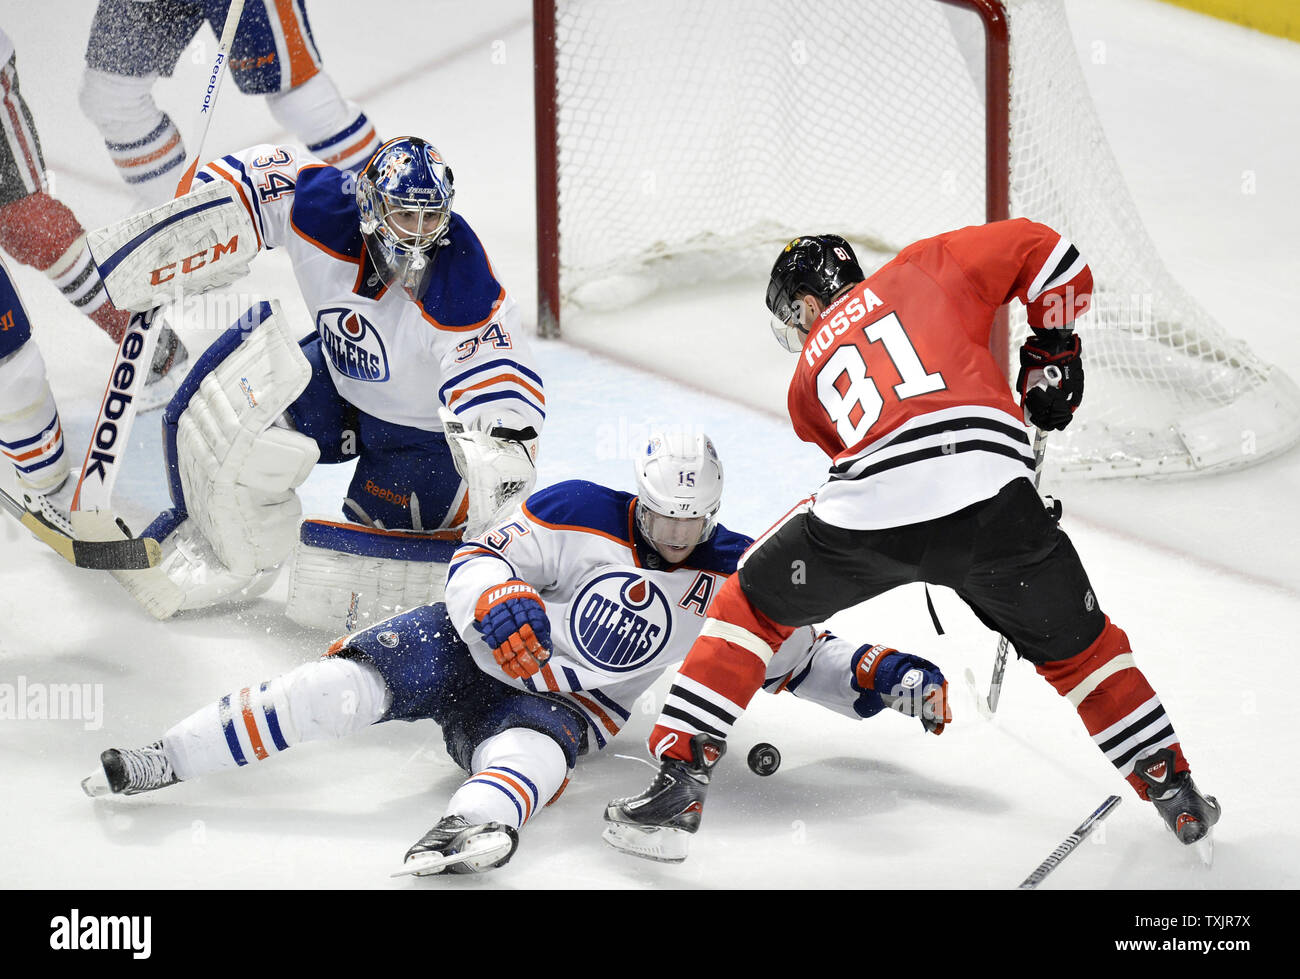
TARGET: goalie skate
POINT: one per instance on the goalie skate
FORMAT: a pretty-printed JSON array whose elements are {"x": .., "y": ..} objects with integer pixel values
[
  {"x": 457, "y": 847},
  {"x": 168, "y": 370}
]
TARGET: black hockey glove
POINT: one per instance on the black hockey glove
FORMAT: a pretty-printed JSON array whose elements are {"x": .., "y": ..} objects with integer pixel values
[{"x": 1046, "y": 407}]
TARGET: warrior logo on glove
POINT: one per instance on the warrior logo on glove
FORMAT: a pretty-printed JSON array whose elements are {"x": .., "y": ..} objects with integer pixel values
[{"x": 512, "y": 618}]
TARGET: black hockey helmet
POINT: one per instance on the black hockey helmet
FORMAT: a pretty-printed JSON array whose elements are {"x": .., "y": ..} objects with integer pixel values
[{"x": 818, "y": 264}]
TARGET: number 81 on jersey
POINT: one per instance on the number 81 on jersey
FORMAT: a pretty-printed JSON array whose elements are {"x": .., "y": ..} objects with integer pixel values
[{"x": 850, "y": 397}]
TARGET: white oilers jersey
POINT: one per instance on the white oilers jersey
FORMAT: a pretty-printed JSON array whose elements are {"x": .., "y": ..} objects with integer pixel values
[
  {"x": 619, "y": 616},
  {"x": 461, "y": 346}
]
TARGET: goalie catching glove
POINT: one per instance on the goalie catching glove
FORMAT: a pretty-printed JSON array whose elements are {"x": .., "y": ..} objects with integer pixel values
[
  {"x": 512, "y": 618},
  {"x": 496, "y": 462},
  {"x": 905, "y": 683},
  {"x": 1048, "y": 407}
]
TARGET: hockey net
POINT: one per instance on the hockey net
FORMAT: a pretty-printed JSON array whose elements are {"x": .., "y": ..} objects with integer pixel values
[{"x": 692, "y": 139}]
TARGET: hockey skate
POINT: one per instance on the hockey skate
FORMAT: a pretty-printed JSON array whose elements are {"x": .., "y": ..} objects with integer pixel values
[
  {"x": 130, "y": 771},
  {"x": 658, "y": 823},
  {"x": 169, "y": 368},
  {"x": 457, "y": 847},
  {"x": 1188, "y": 814}
]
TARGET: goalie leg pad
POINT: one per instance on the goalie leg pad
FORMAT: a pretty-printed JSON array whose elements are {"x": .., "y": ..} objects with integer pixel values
[
  {"x": 234, "y": 473},
  {"x": 345, "y": 577},
  {"x": 190, "y": 575}
]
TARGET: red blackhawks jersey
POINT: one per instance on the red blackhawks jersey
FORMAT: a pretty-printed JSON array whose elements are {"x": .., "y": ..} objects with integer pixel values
[{"x": 896, "y": 382}]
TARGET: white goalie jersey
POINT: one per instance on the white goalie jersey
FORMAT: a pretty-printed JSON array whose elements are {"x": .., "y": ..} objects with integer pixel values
[
  {"x": 618, "y": 615},
  {"x": 462, "y": 346}
]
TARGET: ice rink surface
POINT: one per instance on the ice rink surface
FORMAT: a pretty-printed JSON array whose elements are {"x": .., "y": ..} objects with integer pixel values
[{"x": 1203, "y": 575}]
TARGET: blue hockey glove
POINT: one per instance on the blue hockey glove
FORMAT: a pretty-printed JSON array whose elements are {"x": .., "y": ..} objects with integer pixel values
[
  {"x": 908, "y": 684},
  {"x": 512, "y": 618}
]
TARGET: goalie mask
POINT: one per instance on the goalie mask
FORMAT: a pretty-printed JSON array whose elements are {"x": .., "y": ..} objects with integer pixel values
[
  {"x": 679, "y": 493},
  {"x": 404, "y": 195},
  {"x": 821, "y": 265}
]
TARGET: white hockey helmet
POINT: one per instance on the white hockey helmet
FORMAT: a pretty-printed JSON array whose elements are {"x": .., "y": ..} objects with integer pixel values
[{"x": 679, "y": 493}]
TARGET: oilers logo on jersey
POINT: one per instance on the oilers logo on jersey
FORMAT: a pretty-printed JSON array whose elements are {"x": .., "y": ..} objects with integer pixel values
[
  {"x": 352, "y": 344},
  {"x": 620, "y": 621}
]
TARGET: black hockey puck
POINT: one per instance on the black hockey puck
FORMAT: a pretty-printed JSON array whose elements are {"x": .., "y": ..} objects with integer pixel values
[{"x": 764, "y": 759}]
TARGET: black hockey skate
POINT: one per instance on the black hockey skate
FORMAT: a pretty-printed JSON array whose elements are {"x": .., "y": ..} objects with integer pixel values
[
  {"x": 456, "y": 847},
  {"x": 169, "y": 367},
  {"x": 130, "y": 771},
  {"x": 658, "y": 823},
  {"x": 1187, "y": 813}
]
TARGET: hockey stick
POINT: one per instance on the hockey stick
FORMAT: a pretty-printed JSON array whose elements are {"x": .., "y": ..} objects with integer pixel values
[
  {"x": 988, "y": 705},
  {"x": 91, "y": 513},
  {"x": 210, "y": 94},
  {"x": 132, "y": 554},
  {"x": 1068, "y": 844}
]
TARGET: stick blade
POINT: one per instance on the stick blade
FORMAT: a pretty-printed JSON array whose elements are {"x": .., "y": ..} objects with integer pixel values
[{"x": 135, "y": 554}]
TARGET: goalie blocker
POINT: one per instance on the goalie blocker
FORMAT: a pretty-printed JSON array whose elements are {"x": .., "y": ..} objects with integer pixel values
[{"x": 194, "y": 243}]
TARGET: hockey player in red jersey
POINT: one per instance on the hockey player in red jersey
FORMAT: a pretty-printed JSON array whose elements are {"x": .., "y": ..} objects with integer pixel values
[{"x": 930, "y": 481}]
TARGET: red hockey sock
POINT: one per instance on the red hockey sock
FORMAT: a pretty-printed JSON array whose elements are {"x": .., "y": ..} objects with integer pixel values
[
  {"x": 1116, "y": 703},
  {"x": 38, "y": 230},
  {"x": 44, "y": 233},
  {"x": 724, "y": 668}
]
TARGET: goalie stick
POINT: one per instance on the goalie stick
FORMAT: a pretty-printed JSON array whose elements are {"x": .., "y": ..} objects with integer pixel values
[
  {"x": 131, "y": 554},
  {"x": 91, "y": 512},
  {"x": 1068, "y": 844}
]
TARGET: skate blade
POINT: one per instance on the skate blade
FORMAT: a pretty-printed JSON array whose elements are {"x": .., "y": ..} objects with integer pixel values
[
  {"x": 95, "y": 785},
  {"x": 480, "y": 852},
  {"x": 658, "y": 843},
  {"x": 160, "y": 392},
  {"x": 1204, "y": 849}
]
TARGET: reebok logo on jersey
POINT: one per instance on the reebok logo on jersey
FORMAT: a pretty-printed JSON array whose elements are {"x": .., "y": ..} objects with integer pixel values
[{"x": 387, "y": 495}]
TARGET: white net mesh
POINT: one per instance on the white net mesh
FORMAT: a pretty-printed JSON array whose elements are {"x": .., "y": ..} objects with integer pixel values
[{"x": 694, "y": 138}]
